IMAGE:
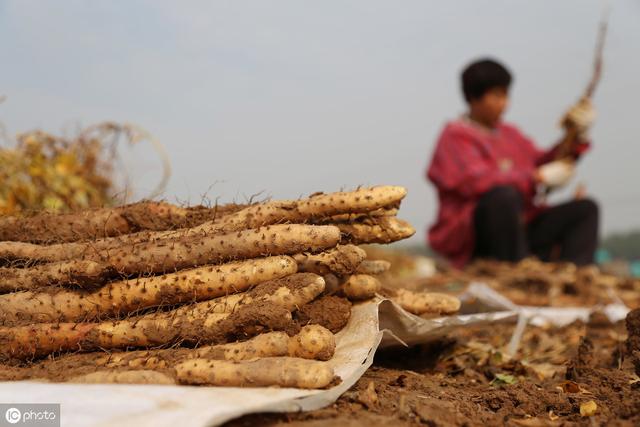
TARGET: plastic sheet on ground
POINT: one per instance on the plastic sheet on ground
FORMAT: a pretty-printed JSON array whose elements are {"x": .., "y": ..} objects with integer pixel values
[
  {"x": 380, "y": 322},
  {"x": 481, "y": 298}
]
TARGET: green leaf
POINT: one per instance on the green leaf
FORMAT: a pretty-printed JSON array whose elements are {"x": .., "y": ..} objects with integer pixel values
[{"x": 504, "y": 379}]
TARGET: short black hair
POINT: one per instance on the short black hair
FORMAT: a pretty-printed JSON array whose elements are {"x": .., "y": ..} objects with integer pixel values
[{"x": 483, "y": 75}]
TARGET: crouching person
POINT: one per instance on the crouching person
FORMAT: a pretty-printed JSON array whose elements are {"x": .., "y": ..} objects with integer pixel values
[{"x": 488, "y": 176}]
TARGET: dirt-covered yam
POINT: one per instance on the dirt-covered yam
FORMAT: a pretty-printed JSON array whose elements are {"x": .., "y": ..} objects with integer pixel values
[
  {"x": 376, "y": 230},
  {"x": 341, "y": 260},
  {"x": 317, "y": 206},
  {"x": 180, "y": 253},
  {"x": 288, "y": 292},
  {"x": 84, "y": 274},
  {"x": 273, "y": 371},
  {"x": 361, "y": 286},
  {"x": 426, "y": 302},
  {"x": 313, "y": 342},
  {"x": 373, "y": 267},
  {"x": 329, "y": 311},
  {"x": 149, "y": 330},
  {"x": 124, "y": 377},
  {"x": 91, "y": 224},
  {"x": 120, "y": 298}
]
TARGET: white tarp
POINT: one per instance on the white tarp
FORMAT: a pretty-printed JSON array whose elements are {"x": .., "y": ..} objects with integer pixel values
[
  {"x": 380, "y": 323},
  {"x": 480, "y": 297},
  {"x": 142, "y": 405}
]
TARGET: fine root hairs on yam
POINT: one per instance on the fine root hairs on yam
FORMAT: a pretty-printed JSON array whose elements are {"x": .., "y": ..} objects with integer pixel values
[
  {"x": 120, "y": 298},
  {"x": 141, "y": 376},
  {"x": 373, "y": 267},
  {"x": 317, "y": 206},
  {"x": 301, "y": 211},
  {"x": 92, "y": 223},
  {"x": 426, "y": 302},
  {"x": 376, "y": 230},
  {"x": 268, "y": 344},
  {"x": 80, "y": 273},
  {"x": 168, "y": 255},
  {"x": 342, "y": 260},
  {"x": 312, "y": 342},
  {"x": 176, "y": 254},
  {"x": 288, "y": 292},
  {"x": 272, "y": 371},
  {"x": 361, "y": 287},
  {"x": 149, "y": 330}
]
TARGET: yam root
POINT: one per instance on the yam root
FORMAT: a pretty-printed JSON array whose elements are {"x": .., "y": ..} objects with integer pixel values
[
  {"x": 340, "y": 260},
  {"x": 188, "y": 251},
  {"x": 269, "y": 344},
  {"x": 124, "y": 377},
  {"x": 376, "y": 230},
  {"x": 193, "y": 323},
  {"x": 82, "y": 273},
  {"x": 120, "y": 298},
  {"x": 155, "y": 329},
  {"x": 289, "y": 292},
  {"x": 313, "y": 342},
  {"x": 317, "y": 206},
  {"x": 373, "y": 267},
  {"x": 91, "y": 224},
  {"x": 201, "y": 250},
  {"x": 274, "y": 371},
  {"x": 361, "y": 286},
  {"x": 426, "y": 302}
]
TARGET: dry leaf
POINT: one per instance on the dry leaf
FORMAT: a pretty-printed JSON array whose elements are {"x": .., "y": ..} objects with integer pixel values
[{"x": 570, "y": 387}]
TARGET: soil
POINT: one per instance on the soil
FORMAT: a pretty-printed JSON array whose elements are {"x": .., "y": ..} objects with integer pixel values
[
  {"x": 468, "y": 380},
  {"x": 332, "y": 312}
]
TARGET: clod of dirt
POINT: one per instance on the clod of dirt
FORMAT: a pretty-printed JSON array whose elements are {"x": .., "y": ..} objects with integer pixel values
[
  {"x": 251, "y": 320},
  {"x": 329, "y": 311},
  {"x": 598, "y": 319},
  {"x": 583, "y": 360},
  {"x": 632, "y": 323}
]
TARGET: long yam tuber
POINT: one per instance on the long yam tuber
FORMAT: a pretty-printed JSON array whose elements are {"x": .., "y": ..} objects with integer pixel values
[
  {"x": 426, "y": 302},
  {"x": 155, "y": 329},
  {"x": 196, "y": 250},
  {"x": 91, "y": 224},
  {"x": 273, "y": 371},
  {"x": 126, "y": 296}
]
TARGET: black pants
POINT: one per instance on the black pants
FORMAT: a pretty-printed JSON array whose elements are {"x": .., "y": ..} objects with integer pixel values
[{"x": 568, "y": 230}]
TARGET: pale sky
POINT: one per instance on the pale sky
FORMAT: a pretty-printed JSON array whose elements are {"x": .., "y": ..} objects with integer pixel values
[{"x": 293, "y": 97}]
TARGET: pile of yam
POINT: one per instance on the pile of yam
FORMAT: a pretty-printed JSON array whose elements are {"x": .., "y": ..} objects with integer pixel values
[{"x": 236, "y": 295}]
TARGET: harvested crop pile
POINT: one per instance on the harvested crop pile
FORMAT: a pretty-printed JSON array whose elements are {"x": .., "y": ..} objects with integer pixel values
[
  {"x": 529, "y": 282},
  {"x": 154, "y": 293}
]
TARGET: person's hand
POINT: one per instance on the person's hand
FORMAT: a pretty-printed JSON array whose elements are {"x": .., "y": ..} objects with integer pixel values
[
  {"x": 581, "y": 116},
  {"x": 555, "y": 174}
]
